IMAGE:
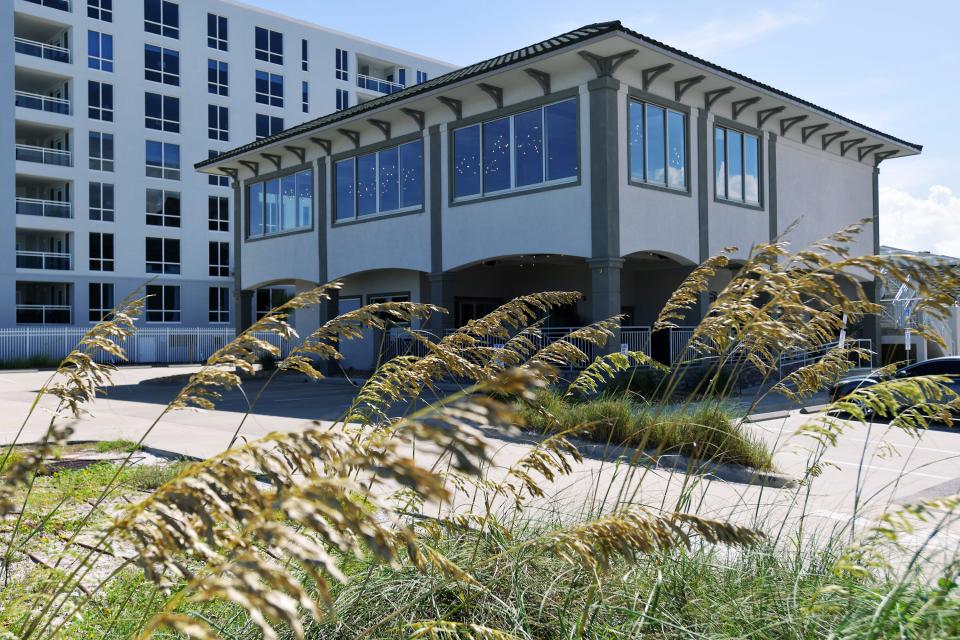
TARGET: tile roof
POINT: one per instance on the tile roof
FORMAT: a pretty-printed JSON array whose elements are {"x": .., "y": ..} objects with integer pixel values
[{"x": 571, "y": 38}]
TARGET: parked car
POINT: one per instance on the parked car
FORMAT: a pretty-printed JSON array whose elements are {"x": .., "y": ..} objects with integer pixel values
[{"x": 947, "y": 366}]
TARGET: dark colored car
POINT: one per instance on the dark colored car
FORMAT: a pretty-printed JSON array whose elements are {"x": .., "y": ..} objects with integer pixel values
[{"x": 947, "y": 366}]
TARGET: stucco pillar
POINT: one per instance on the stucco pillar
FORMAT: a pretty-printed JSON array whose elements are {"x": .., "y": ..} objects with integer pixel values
[
  {"x": 244, "y": 313},
  {"x": 441, "y": 295},
  {"x": 605, "y": 262},
  {"x": 605, "y": 293}
]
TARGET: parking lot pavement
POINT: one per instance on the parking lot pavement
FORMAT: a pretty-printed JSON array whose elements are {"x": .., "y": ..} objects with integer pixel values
[{"x": 861, "y": 476}]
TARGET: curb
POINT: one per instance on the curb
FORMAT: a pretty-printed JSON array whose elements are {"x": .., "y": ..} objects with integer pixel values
[
  {"x": 770, "y": 415},
  {"x": 687, "y": 465}
]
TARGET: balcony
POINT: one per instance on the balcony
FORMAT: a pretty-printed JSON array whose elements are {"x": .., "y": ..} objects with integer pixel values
[
  {"x": 44, "y": 155},
  {"x": 45, "y": 260},
  {"x": 62, "y": 5},
  {"x": 44, "y": 250},
  {"x": 41, "y": 102},
  {"x": 41, "y": 50},
  {"x": 377, "y": 84},
  {"x": 44, "y": 208},
  {"x": 43, "y": 303}
]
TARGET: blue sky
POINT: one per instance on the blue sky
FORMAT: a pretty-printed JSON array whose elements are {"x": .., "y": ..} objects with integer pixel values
[{"x": 890, "y": 65}]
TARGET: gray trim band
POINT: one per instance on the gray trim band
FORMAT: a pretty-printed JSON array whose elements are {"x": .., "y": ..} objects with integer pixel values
[{"x": 772, "y": 189}]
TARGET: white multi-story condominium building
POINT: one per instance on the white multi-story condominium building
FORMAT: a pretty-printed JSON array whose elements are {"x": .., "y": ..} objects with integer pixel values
[
  {"x": 108, "y": 105},
  {"x": 600, "y": 161}
]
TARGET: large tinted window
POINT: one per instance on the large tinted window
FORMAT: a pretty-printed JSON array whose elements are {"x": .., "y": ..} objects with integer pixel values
[
  {"x": 520, "y": 151},
  {"x": 658, "y": 145},
  {"x": 381, "y": 182},
  {"x": 281, "y": 204},
  {"x": 737, "y": 165}
]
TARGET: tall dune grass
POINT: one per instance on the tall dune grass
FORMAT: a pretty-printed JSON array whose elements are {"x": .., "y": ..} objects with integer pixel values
[{"x": 412, "y": 526}]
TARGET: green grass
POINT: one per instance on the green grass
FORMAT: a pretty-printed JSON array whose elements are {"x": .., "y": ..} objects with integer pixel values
[
  {"x": 703, "y": 593},
  {"x": 707, "y": 430},
  {"x": 119, "y": 446}
]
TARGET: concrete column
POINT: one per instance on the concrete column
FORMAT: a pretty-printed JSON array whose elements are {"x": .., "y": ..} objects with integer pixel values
[
  {"x": 244, "y": 311},
  {"x": 605, "y": 263},
  {"x": 605, "y": 288},
  {"x": 703, "y": 200},
  {"x": 441, "y": 294}
]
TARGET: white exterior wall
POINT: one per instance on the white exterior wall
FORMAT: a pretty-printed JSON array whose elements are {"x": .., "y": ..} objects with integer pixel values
[
  {"x": 129, "y": 178},
  {"x": 823, "y": 191}
]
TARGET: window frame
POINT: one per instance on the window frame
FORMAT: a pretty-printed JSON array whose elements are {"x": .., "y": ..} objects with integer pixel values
[
  {"x": 645, "y": 98},
  {"x": 166, "y": 266},
  {"x": 279, "y": 175},
  {"x": 342, "y": 64},
  {"x": 221, "y": 313},
  {"x": 162, "y": 28},
  {"x": 343, "y": 99},
  {"x": 269, "y": 98},
  {"x": 510, "y": 112},
  {"x": 103, "y": 213},
  {"x": 105, "y": 303},
  {"x": 743, "y": 130},
  {"x": 100, "y": 10},
  {"x": 220, "y": 84},
  {"x": 219, "y": 39},
  {"x": 161, "y": 75},
  {"x": 99, "y": 60},
  {"x": 101, "y": 160},
  {"x": 98, "y": 111},
  {"x": 268, "y": 54},
  {"x": 217, "y": 250},
  {"x": 271, "y": 120},
  {"x": 101, "y": 263},
  {"x": 305, "y": 95},
  {"x": 171, "y": 315},
  {"x": 218, "y": 122},
  {"x": 217, "y": 180},
  {"x": 174, "y": 173},
  {"x": 304, "y": 55},
  {"x": 165, "y": 123},
  {"x": 220, "y": 205},
  {"x": 163, "y": 219},
  {"x": 375, "y": 149}
]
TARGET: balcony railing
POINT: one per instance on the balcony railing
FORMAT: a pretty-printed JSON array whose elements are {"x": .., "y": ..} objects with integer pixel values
[
  {"x": 47, "y": 260},
  {"x": 41, "y": 102},
  {"x": 376, "y": 84},
  {"x": 44, "y": 314},
  {"x": 45, "y": 208},
  {"x": 63, "y": 5},
  {"x": 44, "y": 155},
  {"x": 41, "y": 50}
]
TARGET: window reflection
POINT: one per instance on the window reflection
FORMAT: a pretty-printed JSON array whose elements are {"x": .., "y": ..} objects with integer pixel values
[
  {"x": 658, "y": 145},
  {"x": 280, "y": 204}
]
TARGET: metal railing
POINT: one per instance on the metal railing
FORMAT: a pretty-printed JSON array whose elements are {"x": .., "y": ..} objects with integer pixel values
[
  {"x": 50, "y": 260},
  {"x": 34, "y": 314},
  {"x": 41, "y": 102},
  {"x": 399, "y": 341},
  {"x": 679, "y": 340},
  {"x": 378, "y": 85},
  {"x": 41, "y": 50},
  {"x": 63, "y": 5},
  {"x": 796, "y": 359},
  {"x": 44, "y": 208},
  {"x": 44, "y": 155}
]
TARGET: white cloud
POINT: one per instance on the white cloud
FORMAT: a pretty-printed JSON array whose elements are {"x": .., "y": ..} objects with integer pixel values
[
  {"x": 921, "y": 224},
  {"x": 718, "y": 35}
]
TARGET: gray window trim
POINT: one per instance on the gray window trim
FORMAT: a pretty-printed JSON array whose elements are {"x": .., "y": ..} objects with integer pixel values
[
  {"x": 388, "y": 294},
  {"x": 366, "y": 150},
  {"x": 645, "y": 96},
  {"x": 510, "y": 110},
  {"x": 726, "y": 123},
  {"x": 265, "y": 178}
]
